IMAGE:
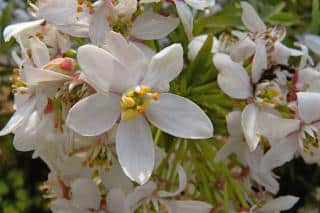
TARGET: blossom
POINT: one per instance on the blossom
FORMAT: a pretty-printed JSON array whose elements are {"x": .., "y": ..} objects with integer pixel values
[
  {"x": 128, "y": 89},
  {"x": 119, "y": 202}
]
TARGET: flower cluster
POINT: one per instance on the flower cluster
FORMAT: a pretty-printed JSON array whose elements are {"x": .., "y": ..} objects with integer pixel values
[{"x": 111, "y": 101}]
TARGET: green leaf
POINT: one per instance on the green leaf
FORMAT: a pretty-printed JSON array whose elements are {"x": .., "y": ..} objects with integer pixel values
[{"x": 315, "y": 24}]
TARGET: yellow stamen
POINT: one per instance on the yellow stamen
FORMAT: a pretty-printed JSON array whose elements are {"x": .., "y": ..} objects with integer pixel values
[
  {"x": 127, "y": 102},
  {"x": 155, "y": 96},
  {"x": 129, "y": 114}
]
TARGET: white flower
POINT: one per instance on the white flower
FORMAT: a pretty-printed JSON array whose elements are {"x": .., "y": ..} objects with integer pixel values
[
  {"x": 128, "y": 89},
  {"x": 252, "y": 159},
  {"x": 277, "y": 205},
  {"x": 85, "y": 196},
  {"x": 119, "y": 202}
]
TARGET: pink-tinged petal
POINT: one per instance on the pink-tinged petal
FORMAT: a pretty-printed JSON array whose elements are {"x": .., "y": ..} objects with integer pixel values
[
  {"x": 233, "y": 78},
  {"x": 85, "y": 194},
  {"x": 259, "y": 63},
  {"x": 179, "y": 117},
  {"x": 144, "y": 26},
  {"x": 164, "y": 66},
  {"x": 94, "y": 114},
  {"x": 308, "y": 106},
  {"x": 251, "y": 19},
  {"x": 103, "y": 70},
  {"x": 135, "y": 150},
  {"x": 186, "y": 17},
  {"x": 21, "y": 114},
  {"x": 250, "y": 126}
]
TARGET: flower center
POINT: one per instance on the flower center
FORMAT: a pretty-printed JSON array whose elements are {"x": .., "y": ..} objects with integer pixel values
[
  {"x": 269, "y": 94},
  {"x": 135, "y": 101}
]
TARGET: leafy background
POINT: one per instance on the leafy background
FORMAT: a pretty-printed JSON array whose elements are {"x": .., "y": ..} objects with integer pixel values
[{"x": 21, "y": 177}]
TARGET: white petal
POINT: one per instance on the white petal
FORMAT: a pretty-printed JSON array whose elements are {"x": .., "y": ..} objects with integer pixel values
[
  {"x": 234, "y": 145},
  {"x": 134, "y": 146},
  {"x": 19, "y": 116},
  {"x": 116, "y": 201},
  {"x": 128, "y": 54},
  {"x": 266, "y": 180},
  {"x": 188, "y": 206},
  {"x": 308, "y": 106},
  {"x": 259, "y": 63},
  {"x": 115, "y": 178},
  {"x": 281, "y": 53},
  {"x": 126, "y": 8},
  {"x": 103, "y": 70},
  {"x": 279, "y": 204},
  {"x": 94, "y": 115},
  {"x": 37, "y": 76},
  {"x": 233, "y": 78},
  {"x": 251, "y": 19},
  {"x": 179, "y": 117},
  {"x": 15, "y": 29},
  {"x": 186, "y": 17},
  {"x": 234, "y": 123},
  {"x": 99, "y": 27},
  {"x": 313, "y": 42},
  {"x": 195, "y": 45},
  {"x": 85, "y": 194},
  {"x": 243, "y": 49},
  {"x": 308, "y": 80},
  {"x": 200, "y": 4},
  {"x": 250, "y": 125},
  {"x": 275, "y": 127},
  {"x": 164, "y": 66},
  {"x": 39, "y": 51},
  {"x": 144, "y": 26},
  {"x": 141, "y": 192},
  {"x": 279, "y": 154},
  {"x": 182, "y": 184}
]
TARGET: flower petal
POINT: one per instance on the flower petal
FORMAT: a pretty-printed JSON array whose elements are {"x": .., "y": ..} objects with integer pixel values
[
  {"x": 94, "y": 114},
  {"x": 99, "y": 27},
  {"x": 19, "y": 116},
  {"x": 234, "y": 123},
  {"x": 179, "y": 117},
  {"x": 259, "y": 63},
  {"x": 200, "y": 4},
  {"x": 140, "y": 192},
  {"x": 135, "y": 150},
  {"x": 182, "y": 184},
  {"x": 308, "y": 106},
  {"x": 85, "y": 194},
  {"x": 251, "y": 19},
  {"x": 274, "y": 127},
  {"x": 15, "y": 29},
  {"x": 116, "y": 200},
  {"x": 144, "y": 26},
  {"x": 279, "y": 204},
  {"x": 128, "y": 54},
  {"x": 164, "y": 66},
  {"x": 188, "y": 206},
  {"x": 313, "y": 42},
  {"x": 250, "y": 126},
  {"x": 233, "y": 78},
  {"x": 308, "y": 80},
  {"x": 186, "y": 17},
  {"x": 103, "y": 70},
  {"x": 39, "y": 51},
  {"x": 279, "y": 154}
]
